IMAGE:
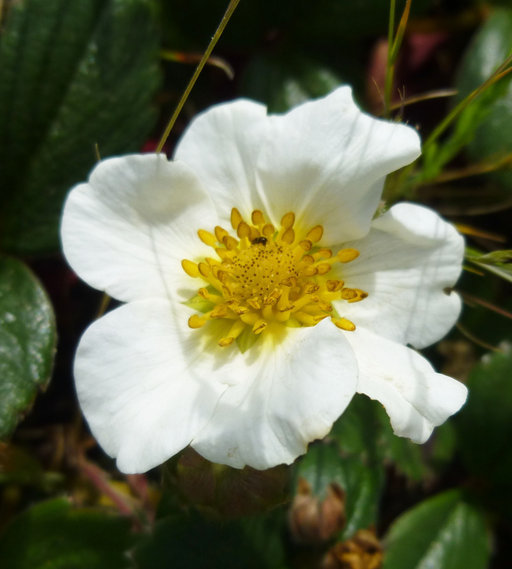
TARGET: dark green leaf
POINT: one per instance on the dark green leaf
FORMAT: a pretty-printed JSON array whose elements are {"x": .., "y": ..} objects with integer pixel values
[
  {"x": 27, "y": 341},
  {"x": 364, "y": 429},
  {"x": 444, "y": 532},
  {"x": 72, "y": 75},
  {"x": 52, "y": 535},
  {"x": 284, "y": 82},
  {"x": 484, "y": 430},
  {"x": 191, "y": 542}
]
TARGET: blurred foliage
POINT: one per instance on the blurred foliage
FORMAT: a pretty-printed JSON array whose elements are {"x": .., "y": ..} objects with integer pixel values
[
  {"x": 73, "y": 75},
  {"x": 78, "y": 74},
  {"x": 52, "y": 535}
]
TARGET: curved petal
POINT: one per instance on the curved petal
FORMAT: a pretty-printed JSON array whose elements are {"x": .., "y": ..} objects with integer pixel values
[
  {"x": 286, "y": 397},
  {"x": 142, "y": 391},
  {"x": 405, "y": 264},
  {"x": 325, "y": 160},
  {"x": 127, "y": 229},
  {"x": 416, "y": 398}
]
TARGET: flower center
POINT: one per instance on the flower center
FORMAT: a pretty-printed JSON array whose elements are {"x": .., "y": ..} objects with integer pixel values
[{"x": 267, "y": 276}]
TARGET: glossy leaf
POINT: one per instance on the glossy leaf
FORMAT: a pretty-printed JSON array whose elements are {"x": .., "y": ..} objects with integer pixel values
[
  {"x": 52, "y": 535},
  {"x": 27, "y": 341},
  {"x": 444, "y": 532},
  {"x": 72, "y": 75}
]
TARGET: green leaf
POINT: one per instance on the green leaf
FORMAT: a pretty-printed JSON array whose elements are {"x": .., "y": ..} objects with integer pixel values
[
  {"x": 444, "y": 532},
  {"x": 192, "y": 542},
  {"x": 364, "y": 429},
  {"x": 27, "y": 341},
  {"x": 51, "y": 535},
  {"x": 484, "y": 431},
  {"x": 72, "y": 75},
  {"x": 362, "y": 483},
  {"x": 286, "y": 81},
  {"x": 487, "y": 122}
]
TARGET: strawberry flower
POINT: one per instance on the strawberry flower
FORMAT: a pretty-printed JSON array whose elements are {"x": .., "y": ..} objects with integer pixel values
[{"x": 260, "y": 294}]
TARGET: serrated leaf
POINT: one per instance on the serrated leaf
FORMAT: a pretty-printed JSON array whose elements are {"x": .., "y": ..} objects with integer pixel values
[
  {"x": 27, "y": 341},
  {"x": 72, "y": 75},
  {"x": 444, "y": 532},
  {"x": 191, "y": 542},
  {"x": 52, "y": 535}
]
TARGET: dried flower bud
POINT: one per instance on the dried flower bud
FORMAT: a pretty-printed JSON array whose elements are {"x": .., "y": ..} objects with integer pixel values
[
  {"x": 312, "y": 521},
  {"x": 362, "y": 551}
]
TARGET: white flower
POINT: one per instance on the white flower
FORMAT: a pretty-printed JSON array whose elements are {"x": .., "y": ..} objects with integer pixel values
[{"x": 260, "y": 295}]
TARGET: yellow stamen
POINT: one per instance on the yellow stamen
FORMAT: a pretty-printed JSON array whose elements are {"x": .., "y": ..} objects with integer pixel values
[
  {"x": 347, "y": 255},
  {"x": 264, "y": 277},
  {"x": 236, "y": 218},
  {"x": 288, "y": 220},
  {"x": 344, "y": 324},
  {"x": 257, "y": 218},
  {"x": 315, "y": 234},
  {"x": 190, "y": 268}
]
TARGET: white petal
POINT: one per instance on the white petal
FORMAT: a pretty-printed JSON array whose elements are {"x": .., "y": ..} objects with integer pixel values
[
  {"x": 286, "y": 396},
  {"x": 406, "y": 261},
  {"x": 127, "y": 230},
  {"x": 416, "y": 398},
  {"x": 325, "y": 160},
  {"x": 142, "y": 387}
]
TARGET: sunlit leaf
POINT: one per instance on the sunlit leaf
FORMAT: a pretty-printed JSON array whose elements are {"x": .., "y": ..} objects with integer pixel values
[{"x": 444, "y": 532}]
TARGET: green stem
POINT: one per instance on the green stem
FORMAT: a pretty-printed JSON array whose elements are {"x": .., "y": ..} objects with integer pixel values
[{"x": 218, "y": 33}]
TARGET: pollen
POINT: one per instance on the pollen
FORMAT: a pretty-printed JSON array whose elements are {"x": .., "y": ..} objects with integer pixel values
[{"x": 261, "y": 277}]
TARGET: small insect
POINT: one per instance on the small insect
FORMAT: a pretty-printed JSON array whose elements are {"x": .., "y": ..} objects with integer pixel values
[{"x": 259, "y": 241}]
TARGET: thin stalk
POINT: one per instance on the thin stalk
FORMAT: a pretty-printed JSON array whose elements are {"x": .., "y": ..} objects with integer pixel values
[
  {"x": 218, "y": 33},
  {"x": 389, "y": 64}
]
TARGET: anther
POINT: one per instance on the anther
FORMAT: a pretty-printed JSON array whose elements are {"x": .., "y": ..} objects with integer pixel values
[
  {"x": 344, "y": 324},
  {"x": 257, "y": 217},
  {"x": 288, "y": 236},
  {"x": 190, "y": 268},
  {"x": 207, "y": 238},
  {"x": 323, "y": 268},
  {"x": 243, "y": 230},
  {"x": 230, "y": 242},
  {"x": 268, "y": 230},
  {"x": 196, "y": 321},
  {"x": 315, "y": 234},
  {"x": 347, "y": 255},
  {"x": 236, "y": 218},
  {"x": 306, "y": 244},
  {"x": 220, "y": 233},
  {"x": 259, "y": 326},
  {"x": 204, "y": 269},
  {"x": 288, "y": 220}
]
